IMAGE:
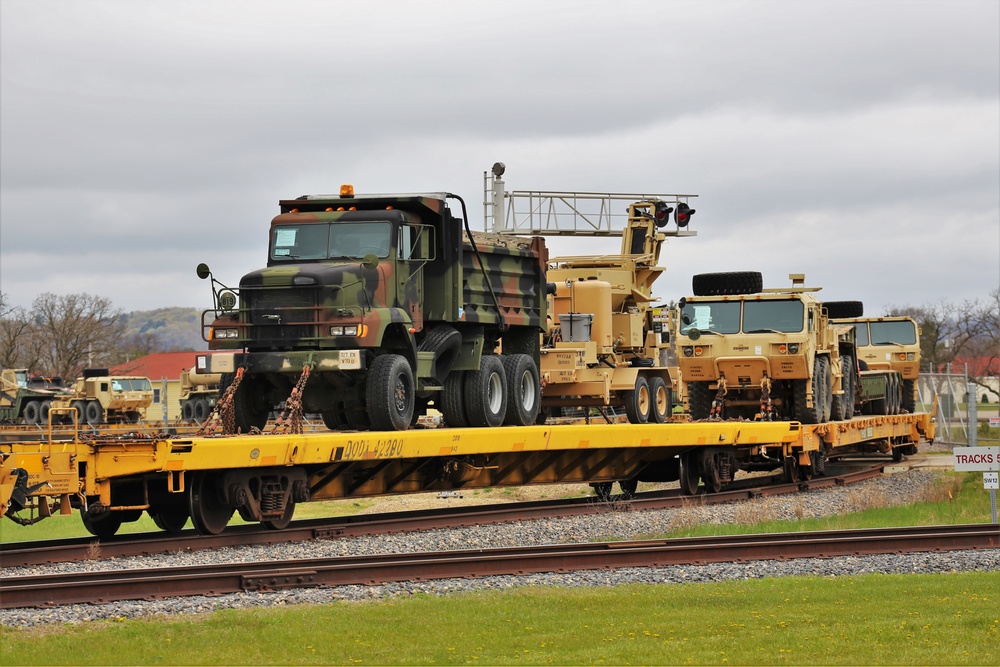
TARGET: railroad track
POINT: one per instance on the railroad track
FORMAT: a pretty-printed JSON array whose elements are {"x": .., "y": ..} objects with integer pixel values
[
  {"x": 14, "y": 554},
  {"x": 156, "y": 583}
]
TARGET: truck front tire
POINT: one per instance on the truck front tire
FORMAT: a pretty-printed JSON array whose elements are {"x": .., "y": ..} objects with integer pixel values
[{"x": 389, "y": 393}]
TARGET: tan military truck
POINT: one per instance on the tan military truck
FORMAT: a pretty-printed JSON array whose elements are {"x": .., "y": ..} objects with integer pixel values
[
  {"x": 753, "y": 353},
  {"x": 99, "y": 397},
  {"x": 884, "y": 343},
  {"x": 607, "y": 346}
]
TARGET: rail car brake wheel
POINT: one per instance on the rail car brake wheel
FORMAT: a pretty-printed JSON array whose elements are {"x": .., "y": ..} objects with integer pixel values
[
  {"x": 170, "y": 519},
  {"x": 602, "y": 490},
  {"x": 209, "y": 513},
  {"x": 105, "y": 525}
]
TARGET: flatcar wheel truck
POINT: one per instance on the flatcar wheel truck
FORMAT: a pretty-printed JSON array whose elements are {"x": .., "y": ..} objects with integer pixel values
[{"x": 393, "y": 303}]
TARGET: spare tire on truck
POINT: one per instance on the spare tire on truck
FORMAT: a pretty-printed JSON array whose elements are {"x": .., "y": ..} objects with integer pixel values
[
  {"x": 727, "y": 284},
  {"x": 840, "y": 310}
]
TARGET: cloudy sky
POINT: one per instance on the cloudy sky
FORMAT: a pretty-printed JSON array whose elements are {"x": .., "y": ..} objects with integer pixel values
[{"x": 857, "y": 142}]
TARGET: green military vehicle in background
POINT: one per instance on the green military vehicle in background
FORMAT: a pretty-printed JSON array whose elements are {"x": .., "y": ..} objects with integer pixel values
[
  {"x": 27, "y": 399},
  {"x": 392, "y": 303}
]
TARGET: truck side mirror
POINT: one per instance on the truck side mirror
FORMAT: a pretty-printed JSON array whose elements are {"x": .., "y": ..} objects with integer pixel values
[
  {"x": 370, "y": 261},
  {"x": 203, "y": 271}
]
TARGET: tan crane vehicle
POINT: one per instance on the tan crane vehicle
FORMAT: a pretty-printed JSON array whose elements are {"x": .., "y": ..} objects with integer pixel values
[
  {"x": 745, "y": 351},
  {"x": 607, "y": 346}
]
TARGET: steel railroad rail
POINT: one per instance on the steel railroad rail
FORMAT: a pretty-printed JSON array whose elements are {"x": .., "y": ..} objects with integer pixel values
[
  {"x": 15, "y": 554},
  {"x": 155, "y": 583}
]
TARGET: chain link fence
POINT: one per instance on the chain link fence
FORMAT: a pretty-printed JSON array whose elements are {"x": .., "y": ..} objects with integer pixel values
[{"x": 957, "y": 410}]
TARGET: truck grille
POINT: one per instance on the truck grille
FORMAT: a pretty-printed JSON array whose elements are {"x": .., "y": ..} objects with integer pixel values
[{"x": 280, "y": 315}]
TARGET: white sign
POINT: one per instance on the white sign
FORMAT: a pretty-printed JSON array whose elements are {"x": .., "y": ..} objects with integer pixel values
[
  {"x": 977, "y": 458},
  {"x": 994, "y": 422},
  {"x": 991, "y": 480}
]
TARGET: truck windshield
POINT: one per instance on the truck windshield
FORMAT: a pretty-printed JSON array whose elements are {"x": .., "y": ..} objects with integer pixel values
[
  {"x": 888, "y": 333},
  {"x": 716, "y": 316},
  {"x": 785, "y": 316},
  {"x": 338, "y": 240},
  {"x": 130, "y": 384}
]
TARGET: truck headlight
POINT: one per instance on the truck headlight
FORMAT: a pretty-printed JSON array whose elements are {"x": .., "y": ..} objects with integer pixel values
[
  {"x": 218, "y": 334},
  {"x": 793, "y": 348},
  {"x": 688, "y": 351}
]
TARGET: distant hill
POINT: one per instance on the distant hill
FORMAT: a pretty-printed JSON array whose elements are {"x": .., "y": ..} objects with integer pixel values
[{"x": 172, "y": 329}]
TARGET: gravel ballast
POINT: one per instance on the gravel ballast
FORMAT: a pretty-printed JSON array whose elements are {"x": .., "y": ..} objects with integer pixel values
[{"x": 617, "y": 523}]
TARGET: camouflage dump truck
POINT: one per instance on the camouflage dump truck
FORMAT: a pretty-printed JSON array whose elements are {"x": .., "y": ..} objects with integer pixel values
[
  {"x": 607, "y": 345},
  {"x": 391, "y": 303},
  {"x": 99, "y": 397},
  {"x": 26, "y": 399},
  {"x": 884, "y": 344},
  {"x": 199, "y": 394},
  {"x": 745, "y": 352}
]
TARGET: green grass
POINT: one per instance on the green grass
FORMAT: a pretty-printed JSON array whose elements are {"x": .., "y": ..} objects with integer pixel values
[
  {"x": 957, "y": 498},
  {"x": 874, "y": 619}
]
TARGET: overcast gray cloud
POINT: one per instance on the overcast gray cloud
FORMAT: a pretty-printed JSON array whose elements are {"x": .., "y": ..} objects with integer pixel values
[{"x": 858, "y": 142}]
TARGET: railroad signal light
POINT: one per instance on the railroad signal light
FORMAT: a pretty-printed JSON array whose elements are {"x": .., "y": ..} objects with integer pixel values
[
  {"x": 682, "y": 216},
  {"x": 661, "y": 213}
]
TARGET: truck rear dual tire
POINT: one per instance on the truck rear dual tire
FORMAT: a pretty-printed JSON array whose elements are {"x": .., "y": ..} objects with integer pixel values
[
  {"x": 95, "y": 413},
  {"x": 504, "y": 391},
  {"x": 32, "y": 412},
  {"x": 728, "y": 283}
]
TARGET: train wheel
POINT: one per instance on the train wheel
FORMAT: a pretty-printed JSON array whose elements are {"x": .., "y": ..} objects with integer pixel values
[
  {"x": 661, "y": 403},
  {"x": 638, "y": 402},
  {"x": 105, "y": 525},
  {"x": 453, "y": 400},
  {"x": 389, "y": 393},
  {"x": 710, "y": 476},
  {"x": 628, "y": 487},
  {"x": 602, "y": 490},
  {"x": 286, "y": 517},
  {"x": 486, "y": 393},
  {"x": 95, "y": 413},
  {"x": 523, "y": 390},
  {"x": 791, "y": 470},
  {"x": 209, "y": 513},
  {"x": 689, "y": 473},
  {"x": 170, "y": 519}
]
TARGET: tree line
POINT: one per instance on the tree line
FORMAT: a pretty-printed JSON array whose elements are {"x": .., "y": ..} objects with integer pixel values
[{"x": 62, "y": 334}]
